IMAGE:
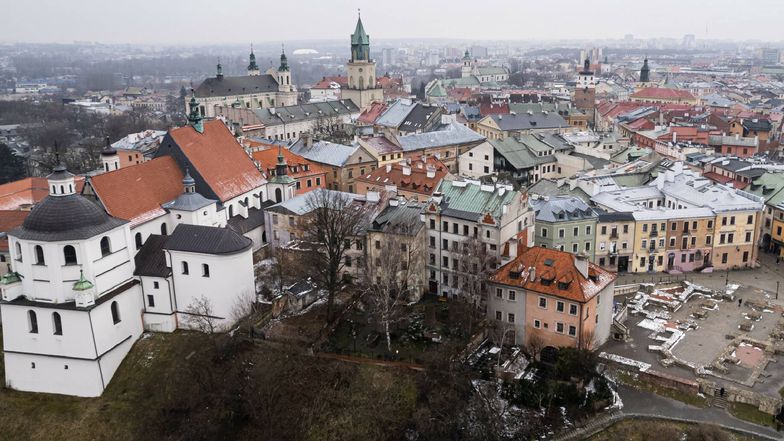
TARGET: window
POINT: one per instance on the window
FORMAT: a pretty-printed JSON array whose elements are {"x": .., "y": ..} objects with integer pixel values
[
  {"x": 724, "y": 258},
  {"x": 559, "y": 328},
  {"x": 572, "y": 309},
  {"x": 18, "y": 252},
  {"x": 348, "y": 261},
  {"x": 499, "y": 293},
  {"x": 750, "y": 219},
  {"x": 588, "y": 230},
  {"x": 184, "y": 267},
  {"x": 69, "y": 253},
  {"x": 708, "y": 240},
  {"x": 574, "y": 247},
  {"x": 559, "y": 306},
  {"x": 155, "y": 285},
  {"x": 115, "y": 313},
  {"x": 604, "y": 229},
  {"x": 205, "y": 270},
  {"x": 164, "y": 229},
  {"x": 32, "y": 322},
  {"x": 543, "y": 302},
  {"x": 512, "y": 295},
  {"x": 151, "y": 300},
  {"x": 39, "y": 255},
  {"x": 57, "y": 323},
  {"x": 498, "y": 315},
  {"x": 587, "y": 246},
  {"x": 573, "y": 330},
  {"x": 138, "y": 240},
  {"x": 537, "y": 324},
  {"x": 544, "y": 232},
  {"x": 576, "y": 231},
  {"x": 561, "y": 233},
  {"x": 745, "y": 256},
  {"x": 106, "y": 247},
  {"x": 748, "y": 236},
  {"x": 710, "y": 224},
  {"x": 510, "y": 317}
]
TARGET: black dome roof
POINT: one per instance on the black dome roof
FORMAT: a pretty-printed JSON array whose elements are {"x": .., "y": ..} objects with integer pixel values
[{"x": 66, "y": 217}]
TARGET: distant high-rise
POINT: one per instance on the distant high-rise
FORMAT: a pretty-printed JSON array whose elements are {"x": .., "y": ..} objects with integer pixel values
[
  {"x": 479, "y": 51},
  {"x": 689, "y": 41},
  {"x": 389, "y": 57}
]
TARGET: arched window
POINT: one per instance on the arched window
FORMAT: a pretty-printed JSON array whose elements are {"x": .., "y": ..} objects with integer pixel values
[
  {"x": 57, "y": 323},
  {"x": 62, "y": 189},
  {"x": 115, "y": 313},
  {"x": 361, "y": 82},
  {"x": 205, "y": 270},
  {"x": 106, "y": 247},
  {"x": 278, "y": 195},
  {"x": 18, "y": 251},
  {"x": 39, "y": 255},
  {"x": 164, "y": 229},
  {"x": 138, "y": 239},
  {"x": 69, "y": 253},
  {"x": 231, "y": 211},
  {"x": 184, "y": 267},
  {"x": 32, "y": 321}
]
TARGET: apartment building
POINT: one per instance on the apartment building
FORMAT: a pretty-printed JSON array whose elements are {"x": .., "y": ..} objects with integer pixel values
[
  {"x": 565, "y": 223},
  {"x": 615, "y": 241}
]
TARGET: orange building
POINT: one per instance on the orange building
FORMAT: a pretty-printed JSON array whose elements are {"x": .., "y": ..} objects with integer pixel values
[
  {"x": 309, "y": 175},
  {"x": 553, "y": 298},
  {"x": 414, "y": 180}
]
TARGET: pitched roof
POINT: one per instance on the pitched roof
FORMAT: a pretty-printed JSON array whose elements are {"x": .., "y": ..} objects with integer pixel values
[
  {"x": 206, "y": 240},
  {"x": 10, "y": 219},
  {"x": 663, "y": 93},
  {"x": 399, "y": 218},
  {"x": 28, "y": 191},
  {"x": 326, "y": 82},
  {"x": 268, "y": 159},
  {"x": 451, "y": 134},
  {"x": 471, "y": 201},
  {"x": 229, "y": 86},
  {"x": 555, "y": 274},
  {"x": 217, "y": 161},
  {"x": 382, "y": 145},
  {"x": 371, "y": 114},
  {"x": 325, "y": 152},
  {"x": 151, "y": 260},
  {"x": 562, "y": 208},
  {"x": 396, "y": 113},
  {"x": 305, "y": 112},
  {"x": 136, "y": 193},
  {"x": 526, "y": 121},
  {"x": 416, "y": 181}
]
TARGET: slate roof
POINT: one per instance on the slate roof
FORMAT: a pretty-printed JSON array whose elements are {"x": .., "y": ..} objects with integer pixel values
[
  {"x": 229, "y": 86},
  {"x": 549, "y": 187},
  {"x": 419, "y": 117},
  {"x": 299, "y": 204},
  {"x": 188, "y": 202},
  {"x": 595, "y": 161},
  {"x": 525, "y": 121},
  {"x": 206, "y": 240},
  {"x": 399, "y": 219},
  {"x": 254, "y": 220},
  {"x": 137, "y": 193},
  {"x": 325, "y": 152},
  {"x": 71, "y": 217},
  {"x": 518, "y": 154},
  {"x": 562, "y": 209},
  {"x": 305, "y": 112},
  {"x": 622, "y": 216},
  {"x": 757, "y": 124},
  {"x": 217, "y": 162},
  {"x": 150, "y": 259},
  {"x": 396, "y": 113},
  {"x": 450, "y": 135}
]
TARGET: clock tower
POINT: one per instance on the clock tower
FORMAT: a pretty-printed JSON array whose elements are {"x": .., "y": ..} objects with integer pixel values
[{"x": 362, "y": 87}]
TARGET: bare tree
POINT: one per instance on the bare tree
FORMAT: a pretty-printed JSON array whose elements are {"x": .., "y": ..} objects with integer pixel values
[
  {"x": 534, "y": 345},
  {"x": 392, "y": 275},
  {"x": 334, "y": 218},
  {"x": 200, "y": 315},
  {"x": 475, "y": 265},
  {"x": 245, "y": 306}
]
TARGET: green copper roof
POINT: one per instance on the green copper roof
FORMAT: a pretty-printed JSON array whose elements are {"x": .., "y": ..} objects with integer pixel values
[
  {"x": 10, "y": 277},
  {"x": 437, "y": 90},
  {"x": 471, "y": 201},
  {"x": 769, "y": 186},
  {"x": 82, "y": 284},
  {"x": 360, "y": 36},
  {"x": 194, "y": 118},
  {"x": 252, "y": 65},
  {"x": 284, "y": 63}
]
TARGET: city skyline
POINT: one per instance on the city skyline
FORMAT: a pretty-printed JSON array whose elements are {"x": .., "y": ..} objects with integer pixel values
[{"x": 152, "y": 23}]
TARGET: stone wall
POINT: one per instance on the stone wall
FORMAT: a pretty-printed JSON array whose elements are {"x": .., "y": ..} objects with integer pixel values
[{"x": 764, "y": 403}]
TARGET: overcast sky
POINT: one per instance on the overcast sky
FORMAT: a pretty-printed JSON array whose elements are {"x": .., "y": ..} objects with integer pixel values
[{"x": 240, "y": 21}]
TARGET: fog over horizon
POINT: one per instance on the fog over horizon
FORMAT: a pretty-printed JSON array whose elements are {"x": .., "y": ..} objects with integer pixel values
[{"x": 238, "y": 21}]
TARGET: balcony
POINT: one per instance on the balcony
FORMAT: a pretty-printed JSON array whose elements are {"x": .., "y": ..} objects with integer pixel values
[
  {"x": 614, "y": 235},
  {"x": 654, "y": 233}
]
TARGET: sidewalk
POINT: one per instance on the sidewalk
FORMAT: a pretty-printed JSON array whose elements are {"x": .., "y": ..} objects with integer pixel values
[{"x": 645, "y": 403}]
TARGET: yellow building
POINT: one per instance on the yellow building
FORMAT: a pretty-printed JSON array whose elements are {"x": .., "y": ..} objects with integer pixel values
[{"x": 734, "y": 240}]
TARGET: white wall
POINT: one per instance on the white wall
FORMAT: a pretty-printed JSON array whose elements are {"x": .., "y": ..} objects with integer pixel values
[{"x": 473, "y": 163}]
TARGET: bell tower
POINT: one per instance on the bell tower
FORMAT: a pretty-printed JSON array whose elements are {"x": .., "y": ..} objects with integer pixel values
[
  {"x": 362, "y": 87},
  {"x": 253, "y": 68},
  {"x": 585, "y": 90}
]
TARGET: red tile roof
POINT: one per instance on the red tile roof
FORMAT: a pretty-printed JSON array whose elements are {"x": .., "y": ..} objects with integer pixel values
[
  {"x": 326, "y": 81},
  {"x": 663, "y": 93},
  {"x": 27, "y": 192},
  {"x": 136, "y": 193},
  {"x": 268, "y": 159},
  {"x": 219, "y": 159},
  {"x": 371, "y": 114},
  {"x": 10, "y": 219},
  {"x": 416, "y": 182},
  {"x": 460, "y": 94},
  {"x": 493, "y": 109},
  {"x": 555, "y": 266}
]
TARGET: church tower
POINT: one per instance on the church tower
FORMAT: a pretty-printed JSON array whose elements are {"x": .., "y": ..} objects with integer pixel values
[
  {"x": 468, "y": 68},
  {"x": 253, "y": 68},
  {"x": 585, "y": 90},
  {"x": 284, "y": 73},
  {"x": 109, "y": 157},
  {"x": 362, "y": 87},
  {"x": 282, "y": 186}
]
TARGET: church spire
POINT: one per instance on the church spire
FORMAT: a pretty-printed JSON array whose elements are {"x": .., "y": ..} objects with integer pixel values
[
  {"x": 360, "y": 42},
  {"x": 252, "y": 66},
  {"x": 284, "y": 62},
  {"x": 194, "y": 117},
  {"x": 219, "y": 74},
  {"x": 645, "y": 72}
]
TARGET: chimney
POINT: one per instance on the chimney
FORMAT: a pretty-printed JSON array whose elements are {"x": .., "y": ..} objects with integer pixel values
[
  {"x": 372, "y": 196},
  {"x": 406, "y": 170},
  {"x": 512, "y": 248},
  {"x": 307, "y": 138},
  {"x": 431, "y": 172},
  {"x": 581, "y": 263},
  {"x": 532, "y": 273},
  {"x": 389, "y": 168},
  {"x": 437, "y": 196},
  {"x": 674, "y": 137}
]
